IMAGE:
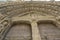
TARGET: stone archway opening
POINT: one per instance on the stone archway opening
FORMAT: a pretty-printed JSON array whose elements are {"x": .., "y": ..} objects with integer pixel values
[
  {"x": 48, "y": 30},
  {"x": 19, "y": 31}
]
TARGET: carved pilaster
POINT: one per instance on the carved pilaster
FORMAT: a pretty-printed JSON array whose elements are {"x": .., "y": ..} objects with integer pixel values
[{"x": 35, "y": 31}]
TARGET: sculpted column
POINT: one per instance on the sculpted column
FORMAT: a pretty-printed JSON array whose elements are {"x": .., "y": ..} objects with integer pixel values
[{"x": 35, "y": 31}]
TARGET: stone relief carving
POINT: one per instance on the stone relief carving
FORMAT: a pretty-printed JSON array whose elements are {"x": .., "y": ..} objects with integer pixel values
[
  {"x": 32, "y": 11},
  {"x": 4, "y": 24},
  {"x": 47, "y": 8}
]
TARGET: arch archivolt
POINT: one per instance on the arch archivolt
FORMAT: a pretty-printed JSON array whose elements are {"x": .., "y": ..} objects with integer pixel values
[
  {"x": 24, "y": 10},
  {"x": 5, "y": 23},
  {"x": 33, "y": 19},
  {"x": 33, "y": 16},
  {"x": 48, "y": 8},
  {"x": 30, "y": 13}
]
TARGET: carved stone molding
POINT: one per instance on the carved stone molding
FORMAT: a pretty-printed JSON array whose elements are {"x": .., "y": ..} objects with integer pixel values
[
  {"x": 5, "y": 23},
  {"x": 30, "y": 12}
]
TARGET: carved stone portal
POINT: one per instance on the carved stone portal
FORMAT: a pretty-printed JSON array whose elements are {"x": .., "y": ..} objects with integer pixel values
[{"x": 30, "y": 21}]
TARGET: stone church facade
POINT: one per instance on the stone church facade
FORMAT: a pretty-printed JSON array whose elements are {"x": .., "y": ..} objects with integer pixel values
[{"x": 30, "y": 21}]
